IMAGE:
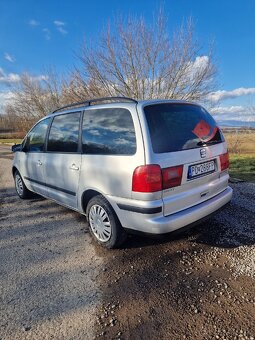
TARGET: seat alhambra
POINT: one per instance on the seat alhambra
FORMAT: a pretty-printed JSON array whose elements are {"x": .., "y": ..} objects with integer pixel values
[{"x": 148, "y": 166}]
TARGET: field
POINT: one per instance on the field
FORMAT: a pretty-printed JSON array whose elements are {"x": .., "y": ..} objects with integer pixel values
[
  {"x": 10, "y": 141},
  {"x": 241, "y": 144}
]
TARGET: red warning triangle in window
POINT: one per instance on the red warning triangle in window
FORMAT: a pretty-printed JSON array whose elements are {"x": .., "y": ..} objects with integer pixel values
[{"x": 202, "y": 129}]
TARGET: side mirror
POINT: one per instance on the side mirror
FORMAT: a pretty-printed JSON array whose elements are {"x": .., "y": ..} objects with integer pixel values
[{"x": 16, "y": 147}]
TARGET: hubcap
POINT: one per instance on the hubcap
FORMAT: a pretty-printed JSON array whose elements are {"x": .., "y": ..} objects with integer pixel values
[
  {"x": 19, "y": 185},
  {"x": 100, "y": 223}
]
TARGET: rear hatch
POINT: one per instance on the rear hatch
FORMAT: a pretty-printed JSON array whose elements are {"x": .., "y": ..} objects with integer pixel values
[{"x": 191, "y": 151}]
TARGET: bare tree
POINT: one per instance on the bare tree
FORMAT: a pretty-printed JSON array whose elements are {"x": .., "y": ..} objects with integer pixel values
[
  {"x": 132, "y": 59},
  {"x": 144, "y": 62},
  {"x": 76, "y": 89},
  {"x": 33, "y": 98}
]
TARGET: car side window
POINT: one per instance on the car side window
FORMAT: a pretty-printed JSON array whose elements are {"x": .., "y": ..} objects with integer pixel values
[
  {"x": 35, "y": 139},
  {"x": 108, "y": 132},
  {"x": 64, "y": 133}
]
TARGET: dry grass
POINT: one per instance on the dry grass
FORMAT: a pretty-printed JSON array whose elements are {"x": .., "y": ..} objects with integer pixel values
[
  {"x": 10, "y": 135},
  {"x": 240, "y": 141},
  {"x": 10, "y": 141}
]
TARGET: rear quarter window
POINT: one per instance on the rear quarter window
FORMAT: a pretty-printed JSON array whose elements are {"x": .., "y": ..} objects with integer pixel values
[
  {"x": 108, "y": 131},
  {"x": 176, "y": 127}
]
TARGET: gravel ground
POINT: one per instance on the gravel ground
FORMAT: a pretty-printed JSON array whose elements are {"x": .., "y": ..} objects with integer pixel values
[
  {"x": 48, "y": 268},
  {"x": 56, "y": 284}
]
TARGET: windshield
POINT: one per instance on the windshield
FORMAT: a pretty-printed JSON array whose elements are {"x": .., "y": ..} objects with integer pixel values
[{"x": 176, "y": 127}]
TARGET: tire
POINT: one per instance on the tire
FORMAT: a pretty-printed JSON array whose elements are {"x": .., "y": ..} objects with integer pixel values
[
  {"x": 104, "y": 224},
  {"x": 20, "y": 187}
]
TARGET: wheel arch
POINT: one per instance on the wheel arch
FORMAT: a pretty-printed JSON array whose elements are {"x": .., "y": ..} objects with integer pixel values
[
  {"x": 86, "y": 197},
  {"x": 14, "y": 169}
]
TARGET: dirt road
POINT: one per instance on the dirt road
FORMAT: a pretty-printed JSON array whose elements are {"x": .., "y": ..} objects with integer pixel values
[{"x": 55, "y": 283}]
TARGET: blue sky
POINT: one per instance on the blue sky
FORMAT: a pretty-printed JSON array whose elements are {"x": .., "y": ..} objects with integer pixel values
[{"x": 36, "y": 34}]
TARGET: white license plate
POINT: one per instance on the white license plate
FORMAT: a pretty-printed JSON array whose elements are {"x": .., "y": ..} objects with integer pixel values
[{"x": 201, "y": 169}]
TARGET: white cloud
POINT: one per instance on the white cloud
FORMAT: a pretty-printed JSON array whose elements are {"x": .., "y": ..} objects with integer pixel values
[
  {"x": 9, "y": 57},
  {"x": 8, "y": 78},
  {"x": 197, "y": 66},
  {"x": 61, "y": 30},
  {"x": 223, "y": 95},
  {"x": 46, "y": 33},
  {"x": 60, "y": 26},
  {"x": 233, "y": 113},
  {"x": 228, "y": 109},
  {"x": 59, "y": 23},
  {"x": 33, "y": 22},
  {"x": 201, "y": 62},
  {"x": 5, "y": 98},
  {"x": 39, "y": 78}
]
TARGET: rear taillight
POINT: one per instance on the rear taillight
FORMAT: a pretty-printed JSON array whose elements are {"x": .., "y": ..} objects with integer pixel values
[
  {"x": 151, "y": 178},
  {"x": 147, "y": 178},
  {"x": 224, "y": 161},
  {"x": 172, "y": 176}
]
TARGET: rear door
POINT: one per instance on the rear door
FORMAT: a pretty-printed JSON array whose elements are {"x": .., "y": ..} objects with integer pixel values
[
  {"x": 63, "y": 159},
  {"x": 187, "y": 144}
]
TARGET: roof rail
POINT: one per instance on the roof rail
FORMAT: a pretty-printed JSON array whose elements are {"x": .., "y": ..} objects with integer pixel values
[{"x": 88, "y": 102}]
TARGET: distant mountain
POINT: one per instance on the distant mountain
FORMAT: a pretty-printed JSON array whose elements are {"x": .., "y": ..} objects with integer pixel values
[{"x": 235, "y": 123}]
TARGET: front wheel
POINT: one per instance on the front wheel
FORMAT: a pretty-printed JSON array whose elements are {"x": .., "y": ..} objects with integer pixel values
[
  {"x": 104, "y": 224},
  {"x": 20, "y": 187}
]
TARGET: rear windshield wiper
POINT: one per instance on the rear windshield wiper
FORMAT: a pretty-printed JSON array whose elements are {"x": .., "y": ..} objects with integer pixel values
[{"x": 210, "y": 142}]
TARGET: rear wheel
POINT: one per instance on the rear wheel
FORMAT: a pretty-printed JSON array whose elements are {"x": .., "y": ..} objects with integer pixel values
[
  {"x": 20, "y": 187},
  {"x": 104, "y": 224}
]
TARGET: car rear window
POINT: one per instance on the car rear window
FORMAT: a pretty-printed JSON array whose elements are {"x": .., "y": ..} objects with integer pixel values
[{"x": 176, "y": 127}]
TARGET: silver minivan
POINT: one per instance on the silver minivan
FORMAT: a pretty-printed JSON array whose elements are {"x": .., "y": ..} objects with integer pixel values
[{"x": 148, "y": 166}]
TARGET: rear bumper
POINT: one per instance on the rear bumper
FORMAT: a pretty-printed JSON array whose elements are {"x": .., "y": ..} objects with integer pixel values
[{"x": 159, "y": 224}]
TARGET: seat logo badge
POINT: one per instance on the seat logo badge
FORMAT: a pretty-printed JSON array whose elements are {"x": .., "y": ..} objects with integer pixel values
[{"x": 203, "y": 153}]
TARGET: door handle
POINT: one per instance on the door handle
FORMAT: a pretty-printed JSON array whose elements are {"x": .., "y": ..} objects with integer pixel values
[
  {"x": 203, "y": 194},
  {"x": 39, "y": 163},
  {"x": 74, "y": 167}
]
